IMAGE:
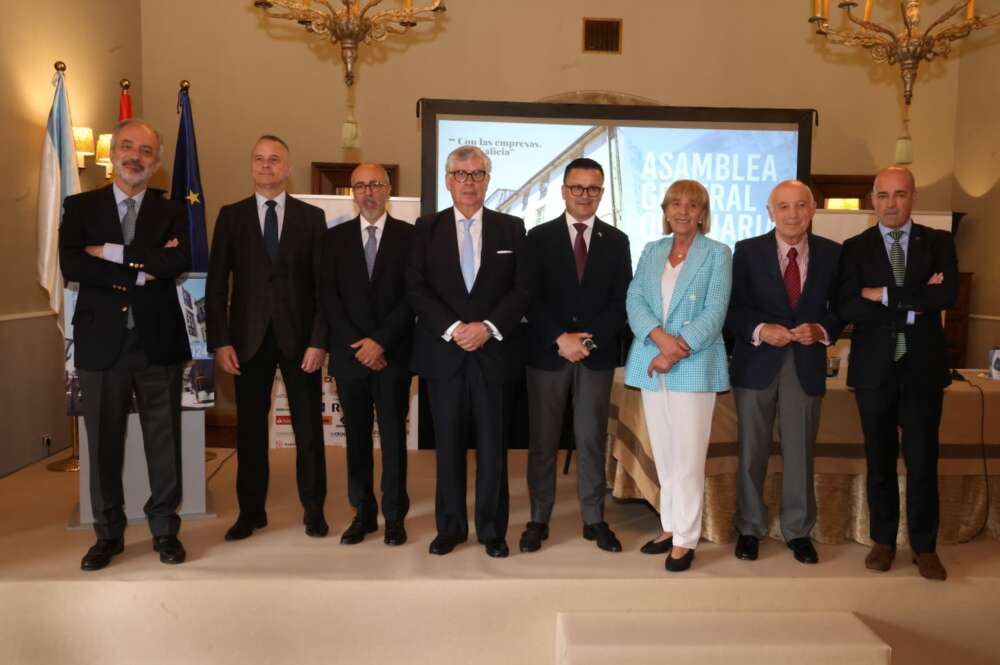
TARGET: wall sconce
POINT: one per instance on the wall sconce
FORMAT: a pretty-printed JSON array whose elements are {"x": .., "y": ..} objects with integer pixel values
[
  {"x": 83, "y": 139},
  {"x": 103, "y": 156}
]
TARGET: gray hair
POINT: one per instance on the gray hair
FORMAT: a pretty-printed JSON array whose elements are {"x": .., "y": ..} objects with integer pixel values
[
  {"x": 464, "y": 152},
  {"x": 127, "y": 122}
]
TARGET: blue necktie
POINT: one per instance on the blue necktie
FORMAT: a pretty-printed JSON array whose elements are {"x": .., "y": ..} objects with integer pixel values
[
  {"x": 468, "y": 259},
  {"x": 271, "y": 230},
  {"x": 371, "y": 248}
]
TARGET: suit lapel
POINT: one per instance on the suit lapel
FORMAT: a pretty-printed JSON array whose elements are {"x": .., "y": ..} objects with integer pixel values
[
  {"x": 253, "y": 231},
  {"x": 916, "y": 255},
  {"x": 880, "y": 255},
  {"x": 289, "y": 227},
  {"x": 384, "y": 249},
  {"x": 488, "y": 247},
  {"x": 595, "y": 252},
  {"x": 447, "y": 236},
  {"x": 696, "y": 256},
  {"x": 769, "y": 246},
  {"x": 144, "y": 220},
  {"x": 815, "y": 264},
  {"x": 108, "y": 219}
]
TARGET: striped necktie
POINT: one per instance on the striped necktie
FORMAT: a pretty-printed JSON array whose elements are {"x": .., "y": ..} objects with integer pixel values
[{"x": 898, "y": 262}]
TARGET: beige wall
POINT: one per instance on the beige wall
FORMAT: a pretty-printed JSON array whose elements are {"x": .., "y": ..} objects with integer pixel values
[
  {"x": 99, "y": 42},
  {"x": 250, "y": 77},
  {"x": 977, "y": 187}
]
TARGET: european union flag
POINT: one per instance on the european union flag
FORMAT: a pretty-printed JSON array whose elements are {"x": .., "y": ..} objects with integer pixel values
[{"x": 186, "y": 185}]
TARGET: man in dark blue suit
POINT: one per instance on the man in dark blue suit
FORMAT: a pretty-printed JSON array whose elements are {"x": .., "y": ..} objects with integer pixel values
[
  {"x": 466, "y": 282},
  {"x": 782, "y": 316},
  {"x": 580, "y": 271}
]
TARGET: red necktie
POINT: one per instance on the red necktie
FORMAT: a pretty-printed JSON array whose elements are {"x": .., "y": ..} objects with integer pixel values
[
  {"x": 793, "y": 283},
  {"x": 580, "y": 251}
]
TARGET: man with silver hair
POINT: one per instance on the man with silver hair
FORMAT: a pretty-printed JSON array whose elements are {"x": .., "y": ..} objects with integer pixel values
[
  {"x": 125, "y": 245},
  {"x": 467, "y": 284},
  {"x": 782, "y": 316}
]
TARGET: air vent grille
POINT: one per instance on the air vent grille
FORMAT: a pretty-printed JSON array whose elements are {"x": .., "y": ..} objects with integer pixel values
[{"x": 602, "y": 35}]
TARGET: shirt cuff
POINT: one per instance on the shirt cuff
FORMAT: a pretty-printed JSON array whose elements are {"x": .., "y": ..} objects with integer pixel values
[
  {"x": 755, "y": 337},
  {"x": 140, "y": 279},
  {"x": 911, "y": 317},
  {"x": 825, "y": 339},
  {"x": 114, "y": 252},
  {"x": 885, "y": 296},
  {"x": 493, "y": 331},
  {"x": 450, "y": 331}
]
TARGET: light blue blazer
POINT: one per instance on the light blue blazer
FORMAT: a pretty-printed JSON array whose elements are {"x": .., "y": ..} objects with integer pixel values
[{"x": 697, "y": 311}]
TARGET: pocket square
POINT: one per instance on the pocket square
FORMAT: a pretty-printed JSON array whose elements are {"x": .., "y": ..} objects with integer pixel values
[{"x": 505, "y": 251}]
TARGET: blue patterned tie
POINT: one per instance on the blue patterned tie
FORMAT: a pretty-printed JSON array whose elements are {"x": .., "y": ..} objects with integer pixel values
[
  {"x": 271, "y": 230},
  {"x": 371, "y": 248},
  {"x": 468, "y": 259},
  {"x": 898, "y": 262}
]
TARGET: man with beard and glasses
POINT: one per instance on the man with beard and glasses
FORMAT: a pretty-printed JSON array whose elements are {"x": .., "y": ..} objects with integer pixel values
[
  {"x": 371, "y": 332},
  {"x": 125, "y": 245}
]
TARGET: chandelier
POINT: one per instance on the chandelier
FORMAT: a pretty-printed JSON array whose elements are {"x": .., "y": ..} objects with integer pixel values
[
  {"x": 911, "y": 45},
  {"x": 351, "y": 25}
]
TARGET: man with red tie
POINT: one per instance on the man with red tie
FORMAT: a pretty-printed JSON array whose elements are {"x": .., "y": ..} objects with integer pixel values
[
  {"x": 580, "y": 270},
  {"x": 782, "y": 316}
]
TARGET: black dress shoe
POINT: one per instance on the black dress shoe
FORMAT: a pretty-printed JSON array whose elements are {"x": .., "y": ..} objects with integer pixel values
[
  {"x": 534, "y": 534},
  {"x": 316, "y": 526},
  {"x": 395, "y": 533},
  {"x": 681, "y": 564},
  {"x": 803, "y": 550},
  {"x": 653, "y": 547},
  {"x": 604, "y": 536},
  {"x": 746, "y": 547},
  {"x": 443, "y": 544},
  {"x": 497, "y": 548},
  {"x": 100, "y": 554},
  {"x": 355, "y": 533},
  {"x": 245, "y": 526},
  {"x": 170, "y": 549}
]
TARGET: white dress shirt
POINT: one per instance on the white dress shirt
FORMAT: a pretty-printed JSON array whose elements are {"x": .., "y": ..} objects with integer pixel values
[
  {"x": 587, "y": 232},
  {"x": 379, "y": 225},
  {"x": 113, "y": 251}
]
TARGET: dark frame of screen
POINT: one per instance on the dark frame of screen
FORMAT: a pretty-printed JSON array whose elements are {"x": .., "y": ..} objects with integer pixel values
[{"x": 429, "y": 109}]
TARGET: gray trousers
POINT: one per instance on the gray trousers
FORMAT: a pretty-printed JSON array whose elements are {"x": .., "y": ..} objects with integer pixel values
[
  {"x": 548, "y": 392},
  {"x": 798, "y": 423}
]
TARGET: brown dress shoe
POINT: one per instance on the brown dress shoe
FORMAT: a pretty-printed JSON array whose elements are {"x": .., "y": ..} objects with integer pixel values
[
  {"x": 880, "y": 558},
  {"x": 930, "y": 566}
]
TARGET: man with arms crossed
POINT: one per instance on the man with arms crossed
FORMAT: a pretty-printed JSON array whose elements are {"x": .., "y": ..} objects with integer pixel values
[
  {"x": 270, "y": 245},
  {"x": 126, "y": 245},
  {"x": 466, "y": 284},
  {"x": 895, "y": 280},
  {"x": 782, "y": 316},
  {"x": 580, "y": 271},
  {"x": 371, "y": 332}
]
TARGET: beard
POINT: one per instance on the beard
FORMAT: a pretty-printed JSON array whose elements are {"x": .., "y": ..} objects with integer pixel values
[{"x": 133, "y": 178}]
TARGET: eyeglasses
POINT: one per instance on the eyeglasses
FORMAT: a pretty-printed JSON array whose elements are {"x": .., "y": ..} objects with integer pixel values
[
  {"x": 462, "y": 176},
  {"x": 374, "y": 186},
  {"x": 593, "y": 191}
]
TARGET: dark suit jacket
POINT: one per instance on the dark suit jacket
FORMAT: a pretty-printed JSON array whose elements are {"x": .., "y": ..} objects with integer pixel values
[
  {"x": 865, "y": 262},
  {"x": 357, "y": 307},
  {"x": 759, "y": 296},
  {"x": 560, "y": 303},
  {"x": 283, "y": 293},
  {"x": 107, "y": 289},
  {"x": 436, "y": 292}
]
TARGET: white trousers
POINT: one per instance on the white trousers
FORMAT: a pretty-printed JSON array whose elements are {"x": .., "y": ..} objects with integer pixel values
[{"x": 679, "y": 425}]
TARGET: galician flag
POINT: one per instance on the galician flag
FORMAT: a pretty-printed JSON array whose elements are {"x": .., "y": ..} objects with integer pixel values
[{"x": 57, "y": 180}]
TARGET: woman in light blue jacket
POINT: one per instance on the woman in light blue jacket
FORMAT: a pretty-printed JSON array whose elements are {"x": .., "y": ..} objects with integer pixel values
[{"x": 677, "y": 304}]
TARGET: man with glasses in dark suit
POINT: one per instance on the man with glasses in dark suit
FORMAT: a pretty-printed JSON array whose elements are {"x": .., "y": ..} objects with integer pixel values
[
  {"x": 580, "y": 271},
  {"x": 371, "y": 332},
  {"x": 466, "y": 281}
]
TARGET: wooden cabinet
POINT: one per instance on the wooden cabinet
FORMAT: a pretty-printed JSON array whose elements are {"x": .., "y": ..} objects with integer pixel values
[{"x": 335, "y": 177}]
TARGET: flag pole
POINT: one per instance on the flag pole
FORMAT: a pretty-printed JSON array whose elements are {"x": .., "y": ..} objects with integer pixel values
[
  {"x": 184, "y": 88},
  {"x": 70, "y": 464}
]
